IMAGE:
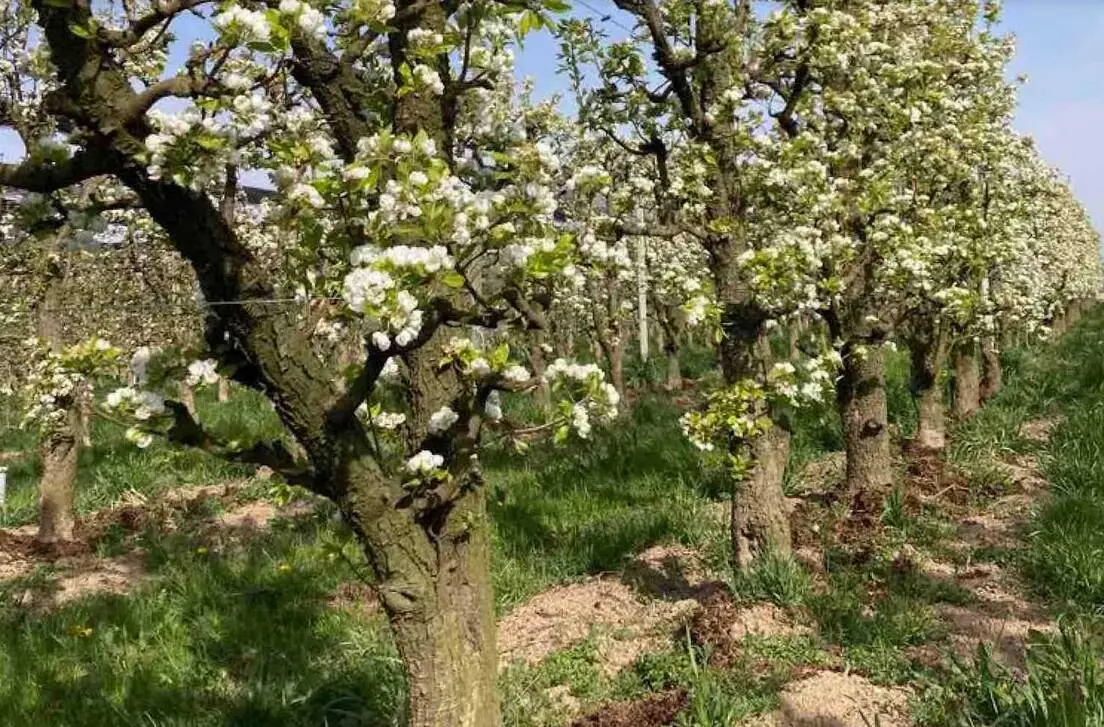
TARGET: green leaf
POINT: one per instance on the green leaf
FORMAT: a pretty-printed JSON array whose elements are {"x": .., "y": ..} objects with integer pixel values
[
  {"x": 78, "y": 30},
  {"x": 529, "y": 20},
  {"x": 500, "y": 356},
  {"x": 453, "y": 279}
]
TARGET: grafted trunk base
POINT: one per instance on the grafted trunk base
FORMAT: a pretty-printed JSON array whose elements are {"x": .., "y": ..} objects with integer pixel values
[
  {"x": 435, "y": 586},
  {"x": 760, "y": 520},
  {"x": 448, "y": 643}
]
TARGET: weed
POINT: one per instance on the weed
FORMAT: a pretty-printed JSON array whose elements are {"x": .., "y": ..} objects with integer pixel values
[
  {"x": 1063, "y": 686},
  {"x": 893, "y": 510},
  {"x": 776, "y": 578}
]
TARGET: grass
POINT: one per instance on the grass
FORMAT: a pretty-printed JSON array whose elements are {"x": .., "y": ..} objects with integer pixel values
[
  {"x": 113, "y": 466},
  {"x": 243, "y": 637},
  {"x": 1064, "y": 559},
  {"x": 1062, "y": 686},
  {"x": 560, "y": 513},
  {"x": 244, "y": 633}
]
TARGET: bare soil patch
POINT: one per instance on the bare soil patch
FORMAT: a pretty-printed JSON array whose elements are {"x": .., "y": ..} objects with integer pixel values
[
  {"x": 672, "y": 572},
  {"x": 77, "y": 571},
  {"x": 357, "y": 598},
  {"x": 655, "y": 710},
  {"x": 1002, "y": 617},
  {"x": 79, "y": 576},
  {"x": 834, "y": 699},
  {"x": 87, "y": 577},
  {"x": 1039, "y": 430},
  {"x": 722, "y": 624},
  {"x": 626, "y": 624}
]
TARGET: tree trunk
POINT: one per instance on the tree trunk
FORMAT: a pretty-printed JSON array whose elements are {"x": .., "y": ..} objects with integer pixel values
[
  {"x": 615, "y": 358},
  {"x": 59, "y": 447},
  {"x": 760, "y": 522},
  {"x": 84, "y": 416},
  {"x": 928, "y": 356},
  {"x": 56, "y": 489},
  {"x": 674, "y": 368},
  {"x": 223, "y": 390},
  {"x": 187, "y": 398},
  {"x": 1073, "y": 313},
  {"x": 449, "y": 650},
  {"x": 861, "y": 399},
  {"x": 434, "y": 572},
  {"x": 1058, "y": 326},
  {"x": 992, "y": 372},
  {"x": 967, "y": 390},
  {"x": 541, "y": 395}
]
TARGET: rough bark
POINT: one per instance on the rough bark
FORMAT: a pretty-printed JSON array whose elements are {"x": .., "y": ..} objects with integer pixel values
[
  {"x": 56, "y": 517},
  {"x": 861, "y": 399},
  {"x": 59, "y": 449},
  {"x": 608, "y": 332},
  {"x": 741, "y": 319},
  {"x": 992, "y": 371},
  {"x": 670, "y": 335},
  {"x": 541, "y": 395},
  {"x": 1058, "y": 326},
  {"x": 674, "y": 367},
  {"x": 928, "y": 355},
  {"x": 616, "y": 358},
  {"x": 428, "y": 548},
  {"x": 84, "y": 417},
  {"x": 435, "y": 587},
  {"x": 967, "y": 389},
  {"x": 441, "y": 606},
  {"x": 760, "y": 520},
  {"x": 1074, "y": 310}
]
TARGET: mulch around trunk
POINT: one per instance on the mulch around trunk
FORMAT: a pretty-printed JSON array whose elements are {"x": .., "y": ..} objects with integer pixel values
[{"x": 655, "y": 710}]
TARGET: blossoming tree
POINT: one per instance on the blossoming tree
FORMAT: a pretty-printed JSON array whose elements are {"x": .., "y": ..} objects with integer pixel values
[{"x": 405, "y": 168}]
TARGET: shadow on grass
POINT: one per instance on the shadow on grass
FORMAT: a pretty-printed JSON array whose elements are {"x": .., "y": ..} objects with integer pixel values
[
  {"x": 242, "y": 638},
  {"x": 569, "y": 511}
]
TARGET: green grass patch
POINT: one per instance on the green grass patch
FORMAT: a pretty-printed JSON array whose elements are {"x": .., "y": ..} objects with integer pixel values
[
  {"x": 563, "y": 512},
  {"x": 242, "y": 637},
  {"x": 1062, "y": 686}
]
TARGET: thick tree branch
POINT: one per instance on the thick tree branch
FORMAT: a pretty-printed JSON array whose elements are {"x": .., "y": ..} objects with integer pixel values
[
  {"x": 185, "y": 430},
  {"x": 46, "y": 177},
  {"x": 176, "y": 87},
  {"x": 673, "y": 68}
]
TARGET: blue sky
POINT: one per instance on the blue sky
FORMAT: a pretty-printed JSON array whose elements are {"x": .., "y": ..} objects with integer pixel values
[{"x": 1060, "y": 48}]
